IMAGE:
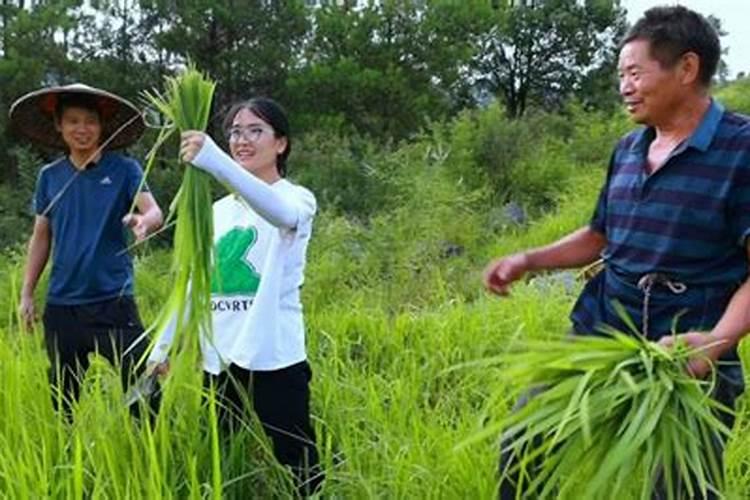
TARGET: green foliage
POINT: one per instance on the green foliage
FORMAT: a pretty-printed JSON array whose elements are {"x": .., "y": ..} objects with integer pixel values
[
  {"x": 248, "y": 46},
  {"x": 347, "y": 175},
  {"x": 110, "y": 47},
  {"x": 593, "y": 134},
  {"x": 104, "y": 452},
  {"x": 398, "y": 359},
  {"x": 414, "y": 241},
  {"x": 30, "y": 56},
  {"x": 16, "y": 204},
  {"x": 395, "y": 314},
  {"x": 542, "y": 52},
  {"x": 397, "y": 327},
  {"x": 736, "y": 97},
  {"x": 378, "y": 103},
  {"x": 385, "y": 68},
  {"x": 529, "y": 160},
  {"x": 611, "y": 409},
  {"x": 185, "y": 104},
  {"x": 384, "y": 71}
]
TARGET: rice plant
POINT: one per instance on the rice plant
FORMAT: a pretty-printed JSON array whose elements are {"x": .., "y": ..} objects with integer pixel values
[
  {"x": 399, "y": 362},
  {"x": 608, "y": 413},
  {"x": 185, "y": 102}
]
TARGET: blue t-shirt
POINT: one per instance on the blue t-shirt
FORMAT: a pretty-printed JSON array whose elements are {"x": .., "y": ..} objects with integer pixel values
[
  {"x": 85, "y": 210},
  {"x": 688, "y": 221}
]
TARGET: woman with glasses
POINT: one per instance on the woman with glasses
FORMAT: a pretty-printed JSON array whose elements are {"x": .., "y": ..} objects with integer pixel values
[{"x": 261, "y": 231}]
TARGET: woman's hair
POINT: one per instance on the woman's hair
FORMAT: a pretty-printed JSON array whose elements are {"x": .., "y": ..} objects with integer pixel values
[{"x": 273, "y": 114}]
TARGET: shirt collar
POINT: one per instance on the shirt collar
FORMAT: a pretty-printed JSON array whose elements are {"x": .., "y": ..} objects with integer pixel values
[
  {"x": 92, "y": 165},
  {"x": 642, "y": 139},
  {"x": 701, "y": 137}
]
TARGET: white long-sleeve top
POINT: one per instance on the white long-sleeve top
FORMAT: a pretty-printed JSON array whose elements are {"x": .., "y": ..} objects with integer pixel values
[{"x": 261, "y": 235}]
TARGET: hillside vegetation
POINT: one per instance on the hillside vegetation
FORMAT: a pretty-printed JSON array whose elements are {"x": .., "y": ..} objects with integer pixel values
[{"x": 398, "y": 326}]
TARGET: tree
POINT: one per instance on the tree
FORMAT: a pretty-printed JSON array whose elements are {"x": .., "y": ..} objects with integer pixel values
[
  {"x": 249, "y": 47},
  {"x": 113, "y": 47},
  {"x": 30, "y": 57},
  {"x": 722, "y": 70},
  {"x": 542, "y": 51},
  {"x": 386, "y": 68}
]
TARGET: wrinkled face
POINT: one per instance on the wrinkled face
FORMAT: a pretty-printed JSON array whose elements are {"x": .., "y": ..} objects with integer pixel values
[
  {"x": 253, "y": 144},
  {"x": 80, "y": 128},
  {"x": 649, "y": 91}
]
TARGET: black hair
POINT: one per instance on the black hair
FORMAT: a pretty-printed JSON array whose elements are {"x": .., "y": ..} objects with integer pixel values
[
  {"x": 270, "y": 112},
  {"x": 76, "y": 100},
  {"x": 672, "y": 32}
]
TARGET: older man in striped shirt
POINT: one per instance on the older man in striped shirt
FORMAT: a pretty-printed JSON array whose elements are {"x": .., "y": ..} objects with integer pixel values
[{"x": 673, "y": 216}]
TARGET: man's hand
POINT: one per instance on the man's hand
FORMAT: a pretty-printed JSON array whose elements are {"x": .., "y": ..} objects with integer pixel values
[
  {"x": 27, "y": 311},
  {"x": 500, "y": 273},
  {"x": 138, "y": 224},
  {"x": 703, "y": 361}
]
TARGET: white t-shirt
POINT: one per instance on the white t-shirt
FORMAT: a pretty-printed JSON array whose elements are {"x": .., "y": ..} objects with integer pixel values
[{"x": 255, "y": 296}]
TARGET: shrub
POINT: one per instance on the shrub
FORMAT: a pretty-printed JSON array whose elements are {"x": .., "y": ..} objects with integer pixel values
[{"x": 736, "y": 97}]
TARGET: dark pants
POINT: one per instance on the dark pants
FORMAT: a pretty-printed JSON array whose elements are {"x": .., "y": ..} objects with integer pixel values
[
  {"x": 281, "y": 399},
  {"x": 729, "y": 386},
  {"x": 71, "y": 333}
]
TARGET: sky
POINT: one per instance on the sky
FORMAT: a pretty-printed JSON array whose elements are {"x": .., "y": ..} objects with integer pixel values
[{"x": 734, "y": 15}]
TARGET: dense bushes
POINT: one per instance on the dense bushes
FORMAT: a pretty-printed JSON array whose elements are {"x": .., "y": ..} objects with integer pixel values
[
  {"x": 399, "y": 329},
  {"x": 414, "y": 224},
  {"x": 513, "y": 169},
  {"x": 16, "y": 211},
  {"x": 736, "y": 96},
  {"x": 423, "y": 214}
]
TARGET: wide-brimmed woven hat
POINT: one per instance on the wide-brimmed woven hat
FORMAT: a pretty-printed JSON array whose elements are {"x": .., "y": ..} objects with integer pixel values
[{"x": 33, "y": 115}]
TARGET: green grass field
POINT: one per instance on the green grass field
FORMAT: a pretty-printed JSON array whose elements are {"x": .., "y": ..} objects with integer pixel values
[
  {"x": 398, "y": 329},
  {"x": 398, "y": 385}
]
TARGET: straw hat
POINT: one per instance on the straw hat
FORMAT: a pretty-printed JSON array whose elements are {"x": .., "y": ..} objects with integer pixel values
[{"x": 33, "y": 115}]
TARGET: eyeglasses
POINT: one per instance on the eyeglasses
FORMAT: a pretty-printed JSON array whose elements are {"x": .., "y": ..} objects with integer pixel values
[{"x": 250, "y": 134}]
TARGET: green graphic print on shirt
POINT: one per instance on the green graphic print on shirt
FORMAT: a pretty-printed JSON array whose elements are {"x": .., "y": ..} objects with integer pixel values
[{"x": 233, "y": 274}]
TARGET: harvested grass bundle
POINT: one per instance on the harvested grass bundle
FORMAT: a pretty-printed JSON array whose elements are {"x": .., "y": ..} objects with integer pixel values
[
  {"x": 611, "y": 411},
  {"x": 186, "y": 104}
]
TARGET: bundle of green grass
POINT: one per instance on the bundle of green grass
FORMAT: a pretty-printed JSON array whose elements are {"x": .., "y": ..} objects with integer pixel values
[
  {"x": 614, "y": 415},
  {"x": 185, "y": 103}
]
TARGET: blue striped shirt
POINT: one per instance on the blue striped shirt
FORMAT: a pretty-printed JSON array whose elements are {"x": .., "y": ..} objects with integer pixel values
[{"x": 688, "y": 221}]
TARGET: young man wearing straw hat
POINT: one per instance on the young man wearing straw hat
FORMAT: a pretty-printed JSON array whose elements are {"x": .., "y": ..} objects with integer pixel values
[
  {"x": 82, "y": 203},
  {"x": 673, "y": 217}
]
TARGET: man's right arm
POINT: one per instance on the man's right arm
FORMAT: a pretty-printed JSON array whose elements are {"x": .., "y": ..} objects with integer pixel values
[
  {"x": 36, "y": 260},
  {"x": 577, "y": 249}
]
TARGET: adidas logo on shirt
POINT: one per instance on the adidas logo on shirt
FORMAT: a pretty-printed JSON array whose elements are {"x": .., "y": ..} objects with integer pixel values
[{"x": 106, "y": 181}]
